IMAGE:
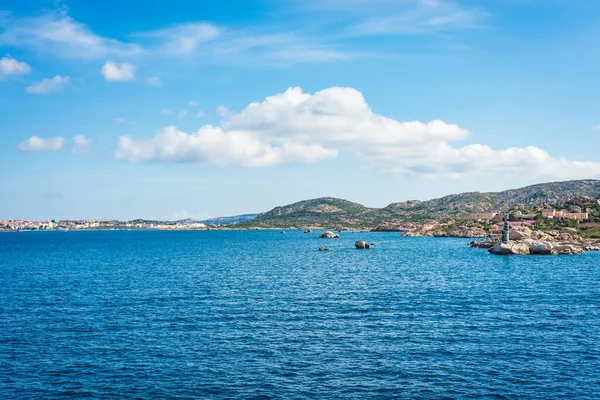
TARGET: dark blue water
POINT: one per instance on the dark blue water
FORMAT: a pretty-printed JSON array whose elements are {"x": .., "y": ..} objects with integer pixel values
[{"x": 265, "y": 315}]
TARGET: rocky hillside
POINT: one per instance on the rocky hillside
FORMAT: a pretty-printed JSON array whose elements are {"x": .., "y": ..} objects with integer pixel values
[
  {"x": 326, "y": 211},
  {"x": 332, "y": 212}
]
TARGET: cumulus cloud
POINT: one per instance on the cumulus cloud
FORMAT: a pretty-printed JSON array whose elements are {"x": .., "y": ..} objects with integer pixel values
[
  {"x": 82, "y": 145},
  {"x": 214, "y": 146},
  {"x": 11, "y": 67},
  {"x": 305, "y": 128},
  {"x": 48, "y": 85},
  {"x": 118, "y": 71},
  {"x": 154, "y": 81},
  {"x": 36, "y": 143}
]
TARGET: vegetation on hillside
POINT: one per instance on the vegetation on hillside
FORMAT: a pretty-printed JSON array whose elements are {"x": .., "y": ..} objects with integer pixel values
[{"x": 332, "y": 212}]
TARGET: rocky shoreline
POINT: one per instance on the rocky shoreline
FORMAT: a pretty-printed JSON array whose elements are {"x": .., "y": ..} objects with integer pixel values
[
  {"x": 446, "y": 229},
  {"x": 528, "y": 242}
]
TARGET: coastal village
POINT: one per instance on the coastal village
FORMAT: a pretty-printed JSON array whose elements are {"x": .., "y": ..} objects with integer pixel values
[{"x": 98, "y": 224}]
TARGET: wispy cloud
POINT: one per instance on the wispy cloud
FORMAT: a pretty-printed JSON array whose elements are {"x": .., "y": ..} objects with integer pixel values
[
  {"x": 223, "y": 111},
  {"x": 182, "y": 114},
  {"x": 278, "y": 43},
  {"x": 58, "y": 34},
  {"x": 166, "y": 111},
  {"x": 154, "y": 81},
  {"x": 182, "y": 38},
  {"x": 11, "y": 67},
  {"x": 48, "y": 85},
  {"x": 395, "y": 17}
]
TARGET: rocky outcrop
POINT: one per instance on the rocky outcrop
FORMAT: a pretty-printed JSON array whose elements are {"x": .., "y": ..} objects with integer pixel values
[
  {"x": 506, "y": 249},
  {"x": 361, "y": 244},
  {"x": 446, "y": 229},
  {"x": 482, "y": 244},
  {"x": 389, "y": 226},
  {"x": 526, "y": 242},
  {"x": 330, "y": 235}
]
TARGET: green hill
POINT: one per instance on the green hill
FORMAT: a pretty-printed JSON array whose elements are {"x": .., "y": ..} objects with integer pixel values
[{"x": 332, "y": 212}]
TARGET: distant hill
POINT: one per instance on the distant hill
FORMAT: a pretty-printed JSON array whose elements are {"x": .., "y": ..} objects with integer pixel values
[
  {"x": 332, "y": 212},
  {"x": 229, "y": 220}
]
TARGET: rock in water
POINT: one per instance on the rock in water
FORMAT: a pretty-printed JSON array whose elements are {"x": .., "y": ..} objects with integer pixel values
[
  {"x": 361, "y": 244},
  {"x": 541, "y": 248},
  {"x": 485, "y": 244},
  {"x": 323, "y": 248},
  {"x": 507, "y": 249},
  {"x": 330, "y": 235}
]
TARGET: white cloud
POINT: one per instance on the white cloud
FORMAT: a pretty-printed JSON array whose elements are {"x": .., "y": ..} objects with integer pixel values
[
  {"x": 11, "y": 67},
  {"x": 200, "y": 114},
  {"x": 390, "y": 17},
  {"x": 48, "y": 85},
  {"x": 166, "y": 111},
  {"x": 214, "y": 146},
  {"x": 193, "y": 103},
  {"x": 82, "y": 145},
  {"x": 154, "y": 81},
  {"x": 58, "y": 34},
  {"x": 182, "y": 114},
  {"x": 299, "y": 127},
  {"x": 183, "y": 38},
  {"x": 36, "y": 143},
  {"x": 597, "y": 127},
  {"x": 120, "y": 120},
  {"x": 118, "y": 72},
  {"x": 223, "y": 111}
]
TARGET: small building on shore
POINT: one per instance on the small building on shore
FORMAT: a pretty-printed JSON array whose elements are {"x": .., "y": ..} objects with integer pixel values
[
  {"x": 551, "y": 213},
  {"x": 482, "y": 216}
]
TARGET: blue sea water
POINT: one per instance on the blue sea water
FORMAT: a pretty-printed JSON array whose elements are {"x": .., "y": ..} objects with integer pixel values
[{"x": 265, "y": 315}]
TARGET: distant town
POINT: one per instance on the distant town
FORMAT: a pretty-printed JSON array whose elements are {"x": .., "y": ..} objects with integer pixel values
[{"x": 99, "y": 224}]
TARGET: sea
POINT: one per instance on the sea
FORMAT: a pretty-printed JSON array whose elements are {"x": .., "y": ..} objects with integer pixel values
[{"x": 265, "y": 315}]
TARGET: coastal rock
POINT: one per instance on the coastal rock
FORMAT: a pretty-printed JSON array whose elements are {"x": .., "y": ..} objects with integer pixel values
[
  {"x": 541, "y": 248},
  {"x": 567, "y": 249},
  {"x": 506, "y": 249},
  {"x": 330, "y": 235},
  {"x": 520, "y": 234},
  {"x": 484, "y": 244},
  {"x": 389, "y": 226},
  {"x": 540, "y": 235},
  {"x": 361, "y": 244}
]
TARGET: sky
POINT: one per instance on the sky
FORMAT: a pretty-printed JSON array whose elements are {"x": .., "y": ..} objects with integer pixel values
[{"x": 187, "y": 109}]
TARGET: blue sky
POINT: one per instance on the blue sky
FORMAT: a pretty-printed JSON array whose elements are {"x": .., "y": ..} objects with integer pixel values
[{"x": 198, "y": 109}]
